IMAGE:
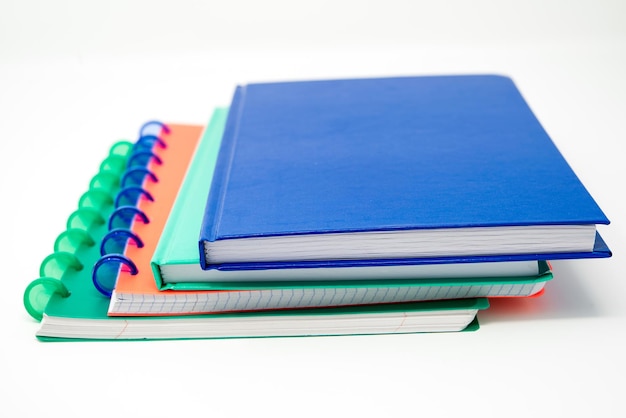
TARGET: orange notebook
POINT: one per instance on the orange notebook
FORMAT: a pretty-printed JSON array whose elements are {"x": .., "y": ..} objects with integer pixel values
[{"x": 169, "y": 171}]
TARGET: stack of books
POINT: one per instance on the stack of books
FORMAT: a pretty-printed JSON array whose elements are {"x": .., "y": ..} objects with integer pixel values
[{"x": 330, "y": 207}]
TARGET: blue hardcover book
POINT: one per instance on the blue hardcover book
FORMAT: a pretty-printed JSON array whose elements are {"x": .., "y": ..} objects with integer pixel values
[{"x": 391, "y": 171}]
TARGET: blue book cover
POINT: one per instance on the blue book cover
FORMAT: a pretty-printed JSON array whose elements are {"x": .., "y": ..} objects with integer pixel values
[{"x": 435, "y": 153}]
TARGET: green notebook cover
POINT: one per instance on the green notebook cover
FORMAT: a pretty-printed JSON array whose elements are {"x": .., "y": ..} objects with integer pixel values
[{"x": 178, "y": 248}]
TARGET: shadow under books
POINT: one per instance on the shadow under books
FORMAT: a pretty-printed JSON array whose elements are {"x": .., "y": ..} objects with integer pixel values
[{"x": 564, "y": 297}]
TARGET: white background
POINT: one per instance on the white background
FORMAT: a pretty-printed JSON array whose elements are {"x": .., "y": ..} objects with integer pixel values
[{"x": 76, "y": 76}]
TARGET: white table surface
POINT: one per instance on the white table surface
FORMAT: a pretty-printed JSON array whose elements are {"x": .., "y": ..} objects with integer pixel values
[{"x": 75, "y": 77}]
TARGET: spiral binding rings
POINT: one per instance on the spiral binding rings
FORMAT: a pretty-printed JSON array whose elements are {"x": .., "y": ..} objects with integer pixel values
[
  {"x": 72, "y": 238},
  {"x": 85, "y": 218},
  {"x": 106, "y": 282},
  {"x": 153, "y": 127},
  {"x": 123, "y": 213},
  {"x": 90, "y": 213},
  {"x": 136, "y": 175},
  {"x": 148, "y": 142},
  {"x": 132, "y": 194},
  {"x": 105, "y": 180},
  {"x": 111, "y": 199},
  {"x": 120, "y": 235},
  {"x": 142, "y": 158}
]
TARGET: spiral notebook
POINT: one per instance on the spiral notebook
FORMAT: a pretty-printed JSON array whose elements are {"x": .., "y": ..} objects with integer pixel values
[
  {"x": 70, "y": 297},
  {"x": 139, "y": 295}
]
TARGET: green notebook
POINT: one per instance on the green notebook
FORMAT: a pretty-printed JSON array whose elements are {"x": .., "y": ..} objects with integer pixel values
[
  {"x": 70, "y": 307},
  {"x": 176, "y": 265},
  {"x": 81, "y": 314}
]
